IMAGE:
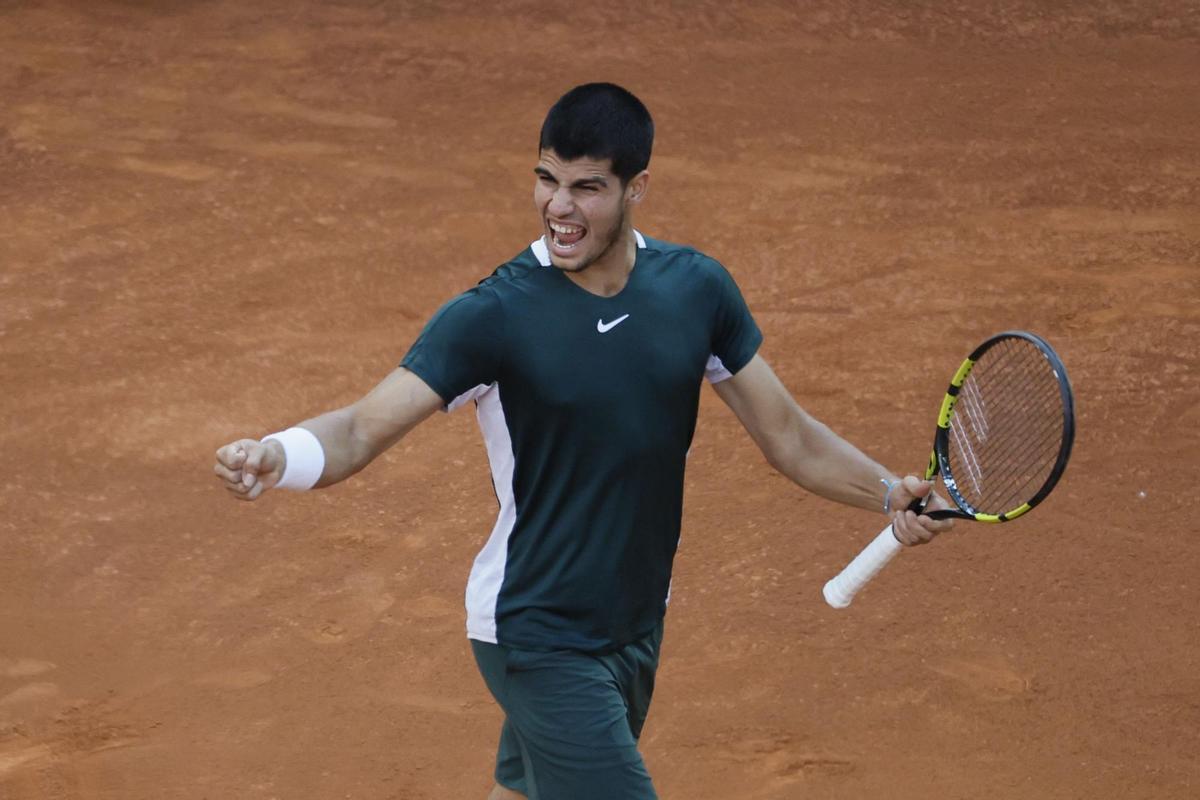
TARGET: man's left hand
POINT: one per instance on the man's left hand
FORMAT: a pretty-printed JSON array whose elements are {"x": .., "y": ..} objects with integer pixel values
[{"x": 909, "y": 527}]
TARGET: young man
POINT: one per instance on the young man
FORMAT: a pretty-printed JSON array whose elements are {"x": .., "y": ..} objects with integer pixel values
[{"x": 585, "y": 355}]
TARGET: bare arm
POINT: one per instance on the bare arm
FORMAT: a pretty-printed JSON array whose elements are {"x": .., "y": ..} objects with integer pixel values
[
  {"x": 817, "y": 459},
  {"x": 351, "y": 437},
  {"x": 797, "y": 444},
  {"x": 354, "y": 436}
]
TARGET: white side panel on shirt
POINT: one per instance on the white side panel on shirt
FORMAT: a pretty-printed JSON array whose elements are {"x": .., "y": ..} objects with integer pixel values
[{"x": 487, "y": 573}]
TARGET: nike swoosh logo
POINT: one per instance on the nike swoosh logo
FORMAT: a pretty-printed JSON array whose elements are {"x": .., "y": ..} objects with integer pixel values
[{"x": 605, "y": 327}]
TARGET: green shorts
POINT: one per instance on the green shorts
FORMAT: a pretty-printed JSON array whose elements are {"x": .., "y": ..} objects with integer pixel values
[{"x": 572, "y": 719}]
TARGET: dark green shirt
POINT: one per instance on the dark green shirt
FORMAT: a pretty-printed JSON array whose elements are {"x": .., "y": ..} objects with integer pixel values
[{"x": 587, "y": 406}]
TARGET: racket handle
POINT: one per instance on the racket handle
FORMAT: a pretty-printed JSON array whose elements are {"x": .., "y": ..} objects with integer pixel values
[{"x": 839, "y": 591}]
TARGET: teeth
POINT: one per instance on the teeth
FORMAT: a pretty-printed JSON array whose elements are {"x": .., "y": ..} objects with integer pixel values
[{"x": 565, "y": 229}]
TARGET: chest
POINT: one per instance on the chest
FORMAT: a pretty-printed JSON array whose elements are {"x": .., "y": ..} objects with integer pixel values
[{"x": 635, "y": 350}]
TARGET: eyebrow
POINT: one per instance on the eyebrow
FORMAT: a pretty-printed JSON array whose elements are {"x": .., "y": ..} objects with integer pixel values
[{"x": 596, "y": 180}]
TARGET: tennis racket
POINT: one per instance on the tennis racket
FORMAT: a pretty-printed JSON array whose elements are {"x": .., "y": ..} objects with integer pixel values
[{"x": 1003, "y": 438}]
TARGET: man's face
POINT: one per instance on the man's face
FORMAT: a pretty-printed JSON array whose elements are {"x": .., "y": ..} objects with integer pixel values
[{"x": 582, "y": 205}]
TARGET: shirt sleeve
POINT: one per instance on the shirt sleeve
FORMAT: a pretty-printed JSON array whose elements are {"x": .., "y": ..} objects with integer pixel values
[
  {"x": 735, "y": 334},
  {"x": 461, "y": 346}
]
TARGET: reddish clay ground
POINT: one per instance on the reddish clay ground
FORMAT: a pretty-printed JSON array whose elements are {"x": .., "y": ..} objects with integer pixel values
[{"x": 219, "y": 218}]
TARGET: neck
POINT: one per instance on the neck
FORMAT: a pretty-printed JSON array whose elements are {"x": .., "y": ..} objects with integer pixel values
[{"x": 609, "y": 273}]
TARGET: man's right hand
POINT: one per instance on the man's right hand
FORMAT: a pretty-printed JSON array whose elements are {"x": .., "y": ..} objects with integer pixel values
[{"x": 249, "y": 467}]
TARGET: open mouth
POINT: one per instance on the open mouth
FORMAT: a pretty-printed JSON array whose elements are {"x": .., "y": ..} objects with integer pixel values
[{"x": 566, "y": 237}]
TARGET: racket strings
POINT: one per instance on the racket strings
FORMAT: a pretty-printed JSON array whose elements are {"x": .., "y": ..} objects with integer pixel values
[
  {"x": 1023, "y": 485},
  {"x": 1007, "y": 428},
  {"x": 1033, "y": 431},
  {"x": 995, "y": 491},
  {"x": 974, "y": 472}
]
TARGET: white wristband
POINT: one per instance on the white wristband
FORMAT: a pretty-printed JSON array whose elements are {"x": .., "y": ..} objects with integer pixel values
[{"x": 305, "y": 458}]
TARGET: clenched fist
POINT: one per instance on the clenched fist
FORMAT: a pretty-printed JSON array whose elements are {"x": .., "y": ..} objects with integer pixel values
[{"x": 249, "y": 467}]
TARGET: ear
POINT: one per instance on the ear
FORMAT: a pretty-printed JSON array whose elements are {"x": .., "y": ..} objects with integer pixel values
[{"x": 637, "y": 187}]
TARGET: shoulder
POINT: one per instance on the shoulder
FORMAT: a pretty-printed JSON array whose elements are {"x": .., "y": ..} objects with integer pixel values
[
  {"x": 687, "y": 259},
  {"x": 488, "y": 295},
  {"x": 517, "y": 270},
  {"x": 671, "y": 250}
]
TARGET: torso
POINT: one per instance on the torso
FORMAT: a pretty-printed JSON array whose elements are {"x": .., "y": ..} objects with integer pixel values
[{"x": 588, "y": 422}]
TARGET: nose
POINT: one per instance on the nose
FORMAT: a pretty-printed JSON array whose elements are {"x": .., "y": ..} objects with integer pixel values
[{"x": 561, "y": 203}]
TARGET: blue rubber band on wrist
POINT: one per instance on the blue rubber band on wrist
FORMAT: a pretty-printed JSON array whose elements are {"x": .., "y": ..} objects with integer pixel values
[{"x": 887, "y": 496}]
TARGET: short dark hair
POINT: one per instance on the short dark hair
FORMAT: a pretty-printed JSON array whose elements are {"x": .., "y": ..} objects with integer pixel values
[{"x": 601, "y": 121}]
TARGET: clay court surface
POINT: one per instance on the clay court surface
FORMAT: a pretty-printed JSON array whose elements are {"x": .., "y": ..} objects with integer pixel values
[{"x": 220, "y": 218}]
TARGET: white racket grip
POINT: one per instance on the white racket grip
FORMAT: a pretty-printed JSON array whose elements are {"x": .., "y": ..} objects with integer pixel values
[{"x": 840, "y": 590}]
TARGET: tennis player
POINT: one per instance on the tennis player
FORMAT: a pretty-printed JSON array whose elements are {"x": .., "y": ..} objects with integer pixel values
[{"x": 584, "y": 356}]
